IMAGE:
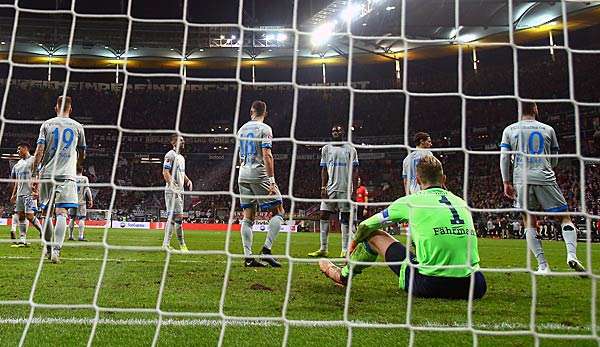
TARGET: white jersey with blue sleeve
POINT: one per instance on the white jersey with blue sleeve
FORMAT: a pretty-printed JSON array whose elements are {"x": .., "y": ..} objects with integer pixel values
[
  {"x": 83, "y": 189},
  {"x": 338, "y": 159},
  {"x": 253, "y": 137},
  {"x": 23, "y": 174},
  {"x": 61, "y": 137},
  {"x": 175, "y": 163},
  {"x": 409, "y": 169},
  {"x": 531, "y": 138}
]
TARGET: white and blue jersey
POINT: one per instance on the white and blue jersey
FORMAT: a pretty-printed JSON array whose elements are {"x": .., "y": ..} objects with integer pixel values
[
  {"x": 253, "y": 137},
  {"x": 338, "y": 159},
  {"x": 409, "y": 169},
  {"x": 531, "y": 138},
  {"x": 23, "y": 174},
  {"x": 175, "y": 163},
  {"x": 61, "y": 136}
]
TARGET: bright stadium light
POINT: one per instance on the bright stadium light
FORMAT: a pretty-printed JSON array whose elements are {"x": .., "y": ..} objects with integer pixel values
[
  {"x": 351, "y": 11},
  {"x": 281, "y": 37},
  {"x": 322, "y": 34},
  {"x": 390, "y": 8},
  {"x": 467, "y": 38}
]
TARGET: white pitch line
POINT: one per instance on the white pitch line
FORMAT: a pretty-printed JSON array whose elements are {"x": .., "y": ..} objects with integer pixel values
[
  {"x": 217, "y": 323},
  {"x": 112, "y": 260}
]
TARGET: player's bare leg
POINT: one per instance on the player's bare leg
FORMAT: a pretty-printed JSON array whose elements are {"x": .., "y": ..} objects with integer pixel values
[
  {"x": 274, "y": 228},
  {"x": 366, "y": 251},
  {"x": 323, "y": 235}
]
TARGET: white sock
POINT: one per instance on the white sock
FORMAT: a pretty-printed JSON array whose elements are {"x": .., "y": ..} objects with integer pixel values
[
  {"x": 23, "y": 230},
  {"x": 535, "y": 246},
  {"x": 15, "y": 222},
  {"x": 60, "y": 230},
  {"x": 274, "y": 228},
  {"x": 247, "y": 236},
  {"x": 81, "y": 228},
  {"x": 345, "y": 236},
  {"x": 169, "y": 226},
  {"x": 569, "y": 234},
  {"x": 324, "y": 231}
]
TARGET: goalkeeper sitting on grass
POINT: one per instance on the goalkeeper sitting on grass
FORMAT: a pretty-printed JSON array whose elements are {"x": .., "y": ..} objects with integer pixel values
[{"x": 441, "y": 227}]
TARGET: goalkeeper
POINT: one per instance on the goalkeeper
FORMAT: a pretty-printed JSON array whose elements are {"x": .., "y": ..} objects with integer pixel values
[{"x": 443, "y": 233}]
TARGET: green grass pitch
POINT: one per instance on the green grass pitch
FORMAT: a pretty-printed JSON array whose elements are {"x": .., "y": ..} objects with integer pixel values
[{"x": 194, "y": 284}]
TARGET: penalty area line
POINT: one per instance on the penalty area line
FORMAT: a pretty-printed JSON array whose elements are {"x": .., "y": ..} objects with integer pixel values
[{"x": 505, "y": 326}]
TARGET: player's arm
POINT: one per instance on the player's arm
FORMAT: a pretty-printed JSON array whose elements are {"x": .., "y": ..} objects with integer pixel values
[
  {"x": 505, "y": 147},
  {"x": 354, "y": 163},
  {"x": 554, "y": 149},
  {"x": 324, "y": 173},
  {"x": 265, "y": 146},
  {"x": 88, "y": 194},
  {"x": 81, "y": 146},
  {"x": 269, "y": 167},
  {"x": 39, "y": 149},
  {"x": 405, "y": 181},
  {"x": 188, "y": 182},
  {"x": 167, "y": 166},
  {"x": 13, "y": 196},
  {"x": 396, "y": 212}
]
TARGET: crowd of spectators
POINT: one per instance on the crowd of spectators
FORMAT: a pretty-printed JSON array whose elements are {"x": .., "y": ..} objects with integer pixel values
[{"x": 377, "y": 119}]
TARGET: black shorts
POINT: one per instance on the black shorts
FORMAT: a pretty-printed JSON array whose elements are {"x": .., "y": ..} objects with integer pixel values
[
  {"x": 360, "y": 210},
  {"x": 434, "y": 286}
]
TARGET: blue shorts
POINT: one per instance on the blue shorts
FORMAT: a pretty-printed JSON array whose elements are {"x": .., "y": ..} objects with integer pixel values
[{"x": 424, "y": 286}]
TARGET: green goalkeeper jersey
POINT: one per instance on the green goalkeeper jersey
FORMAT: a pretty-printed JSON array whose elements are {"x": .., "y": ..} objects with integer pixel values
[{"x": 441, "y": 227}]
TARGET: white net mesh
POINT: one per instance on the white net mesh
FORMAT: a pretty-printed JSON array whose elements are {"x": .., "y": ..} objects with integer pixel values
[{"x": 404, "y": 43}]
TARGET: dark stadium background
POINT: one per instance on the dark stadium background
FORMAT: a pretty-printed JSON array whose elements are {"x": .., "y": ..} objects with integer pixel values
[{"x": 378, "y": 118}]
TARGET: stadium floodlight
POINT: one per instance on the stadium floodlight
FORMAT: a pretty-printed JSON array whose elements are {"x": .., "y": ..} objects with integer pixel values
[
  {"x": 466, "y": 38},
  {"x": 322, "y": 34},
  {"x": 390, "y": 8},
  {"x": 455, "y": 31},
  {"x": 281, "y": 37},
  {"x": 351, "y": 11},
  {"x": 2, "y": 43}
]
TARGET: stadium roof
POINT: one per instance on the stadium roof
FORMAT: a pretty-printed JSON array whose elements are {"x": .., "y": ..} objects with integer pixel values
[{"x": 375, "y": 24}]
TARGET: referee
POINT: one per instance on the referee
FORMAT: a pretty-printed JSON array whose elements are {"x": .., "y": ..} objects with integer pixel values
[{"x": 362, "y": 196}]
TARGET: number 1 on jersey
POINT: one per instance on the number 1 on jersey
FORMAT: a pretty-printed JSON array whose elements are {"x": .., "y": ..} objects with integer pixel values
[{"x": 455, "y": 217}]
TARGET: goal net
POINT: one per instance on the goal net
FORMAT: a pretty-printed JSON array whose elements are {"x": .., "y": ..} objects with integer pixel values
[{"x": 383, "y": 70}]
